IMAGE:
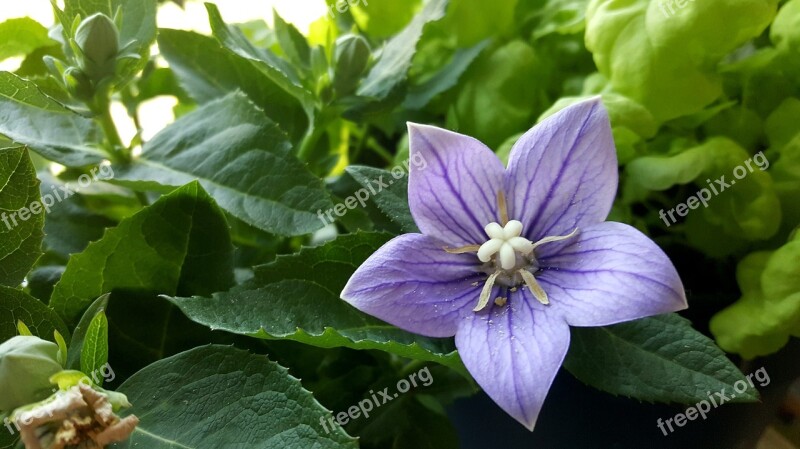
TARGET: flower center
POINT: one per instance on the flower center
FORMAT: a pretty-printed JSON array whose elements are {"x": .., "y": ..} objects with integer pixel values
[{"x": 509, "y": 259}]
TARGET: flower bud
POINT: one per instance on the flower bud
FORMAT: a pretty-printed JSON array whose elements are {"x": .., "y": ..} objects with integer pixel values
[
  {"x": 350, "y": 59},
  {"x": 98, "y": 40},
  {"x": 26, "y": 364}
]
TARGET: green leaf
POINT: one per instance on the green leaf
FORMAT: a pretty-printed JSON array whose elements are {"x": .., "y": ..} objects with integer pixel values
[
  {"x": 188, "y": 55},
  {"x": 21, "y": 230},
  {"x": 181, "y": 240},
  {"x": 395, "y": 60},
  {"x": 500, "y": 95},
  {"x": 242, "y": 159},
  {"x": 391, "y": 200},
  {"x": 21, "y": 36},
  {"x": 16, "y": 305},
  {"x": 446, "y": 78},
  {"x": 657, "y": 359},
  {"x": 768, "y": 313},
  {"x": 32, "y": 118},
  {"x": 213, "y": 395},
  {"x": 292, "y": 42},
  {"x": 380, "y": 19},
  {"x": 279, "y": 71},
  {"x": 79, "y": 334},
  {"x": 663, "y": 56},
  {"x": 94, "y": 352},
  {"x": 297, "y": 298}
]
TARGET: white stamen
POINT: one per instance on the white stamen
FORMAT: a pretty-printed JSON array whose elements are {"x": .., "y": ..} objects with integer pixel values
[
  {"x": 534, "y": 287},
  {"x": 521, "y": 244},
  {"x": 556, "y": 238},
  {"x": 486, "y": 292}
]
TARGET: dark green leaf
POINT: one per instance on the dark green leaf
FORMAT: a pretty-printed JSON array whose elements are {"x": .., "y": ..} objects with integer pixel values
[
  {"x": 214, "y": 395},
  {"x": 392, "y": 67},
  {"x": 32, "y": 118},
  {"x": 297, "y": 298},
  {"x": 180, "y": 240},
  {"x": 659, "y": 359},
  {"x": 21, "y": 230},
  {"x": 16, "y": 305},
  {"x": 242, "y": 159},
  {"x": 188, "y": 55},
  {"x": 391, "y": 200}
]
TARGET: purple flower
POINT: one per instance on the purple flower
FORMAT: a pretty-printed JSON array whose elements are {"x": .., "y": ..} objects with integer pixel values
[{"x": 509, "y": 258}]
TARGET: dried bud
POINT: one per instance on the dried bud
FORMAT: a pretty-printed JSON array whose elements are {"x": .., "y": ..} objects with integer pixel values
[
  {"x": 350, "y": 59},
  {"x": 78, "y": 417},
  {"x": 98, "y": 40},
  {"x": 26, "y": 364}
]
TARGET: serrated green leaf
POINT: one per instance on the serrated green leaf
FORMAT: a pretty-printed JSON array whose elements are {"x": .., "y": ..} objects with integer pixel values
[
  {"x": 20, "y": 229},
  {"x": 297, "y": 298},
  {"x": 657, "y": 359},
  {"x": 213, "y": 395},
  {"x": 180, "y": 241},
  {"x": 278, "y": 70},
  {"x": 22, "y": 36},
  {"x": 395, "y": 60},
  {"x": 188, "y": 54},
  {"x": 242, "y": 159},
  {"x": 391, "y": 200},
  {"x": 29, "y": 117},
  {"x": 94, "y": 352},
  {"x": 16, "y": 305}
]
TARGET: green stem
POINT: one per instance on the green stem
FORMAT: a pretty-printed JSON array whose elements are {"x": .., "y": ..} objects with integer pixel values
[{"x": 116, "y": 149}]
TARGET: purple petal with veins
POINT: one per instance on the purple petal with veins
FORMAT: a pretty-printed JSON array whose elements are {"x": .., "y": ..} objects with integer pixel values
[
  {"x": 610, "y": 273},
  {"x": 455, "y": 195},
  {"x": 412, "y": 283},
  {"x": 514, "y": 353},
  {"x": 562, "y": 174}
]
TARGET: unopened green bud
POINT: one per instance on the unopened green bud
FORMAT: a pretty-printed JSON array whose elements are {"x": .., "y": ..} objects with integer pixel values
[
  {"x": 350, "y": 59},
  {"x": 26, "y": 364},
  {"x": 98, "y": 40},
  {"x": 78, "y": 84}
]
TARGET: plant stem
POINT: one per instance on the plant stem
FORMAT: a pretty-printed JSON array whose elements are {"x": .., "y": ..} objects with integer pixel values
[{"x": 117, "y": 149}]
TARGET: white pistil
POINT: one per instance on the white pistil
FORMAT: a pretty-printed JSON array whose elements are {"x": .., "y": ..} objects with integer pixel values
[{"x": 506, "y": 241}]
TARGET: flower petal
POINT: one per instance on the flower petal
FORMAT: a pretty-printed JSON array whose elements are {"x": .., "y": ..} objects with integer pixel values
[
  {"x": 455, "y": 195},
  {"x": 562, "y": 174},
  {"x": 609, "y": 273},
  {"x": 514, "y": 353},
  {"x": 412, "y": 283}
]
